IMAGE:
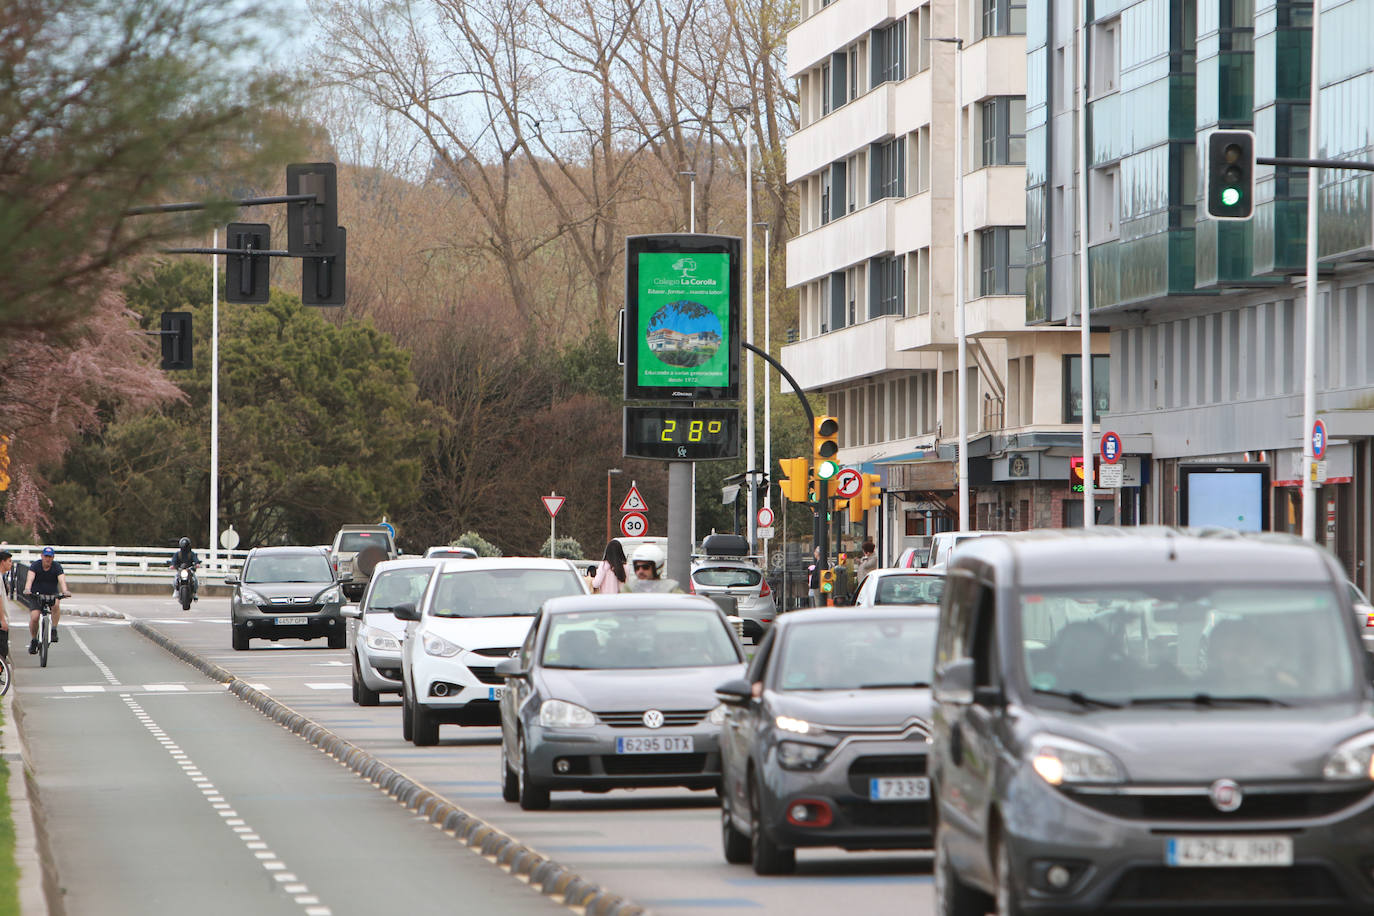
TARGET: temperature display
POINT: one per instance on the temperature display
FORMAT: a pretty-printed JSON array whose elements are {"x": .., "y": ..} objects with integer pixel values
[{"x": 682, "y": 433}]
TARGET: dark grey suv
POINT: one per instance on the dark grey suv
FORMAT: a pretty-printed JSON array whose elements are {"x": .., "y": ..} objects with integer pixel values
[
  {"x": 286, "y": 592},
  {"x": 1151, "y": 719}
]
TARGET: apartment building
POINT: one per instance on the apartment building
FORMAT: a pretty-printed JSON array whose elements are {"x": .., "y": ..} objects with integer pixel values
[
  {"x": 1207, "y": 317},
  {"x": 874, "y": 263}
]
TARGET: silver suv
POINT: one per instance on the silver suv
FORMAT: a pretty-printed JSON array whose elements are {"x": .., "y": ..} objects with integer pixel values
[{"x": 722, "y": 570}]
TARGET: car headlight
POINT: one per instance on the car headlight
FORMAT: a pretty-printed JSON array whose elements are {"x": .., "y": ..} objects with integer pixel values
[
  {"x": 437, "y": 645},
  {"x": 717, "y": 716},
  {"x": 330, "y": 596},
  {"x": 382, "y": 641},
  {"x": 1061, "y": 761},
  {"x": 796, "y": 755},
  {"x": 1354, "y": 759},
  {"x": 562, "y": 714},
  {"x": 798, "y": 726},
  {"x": 248, "y": 596}
]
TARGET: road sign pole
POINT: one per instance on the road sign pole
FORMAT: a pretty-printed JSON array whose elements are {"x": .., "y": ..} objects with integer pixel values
[{"x": 679, "y": 520}]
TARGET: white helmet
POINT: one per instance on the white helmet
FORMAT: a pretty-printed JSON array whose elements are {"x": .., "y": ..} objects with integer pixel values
[{"x": 648, "y": 553}]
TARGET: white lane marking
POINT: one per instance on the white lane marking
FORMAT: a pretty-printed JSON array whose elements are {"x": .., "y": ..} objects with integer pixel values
[
  {"x": 84, "y": 688},
  {"x": 291, "y": 884},
  {"x": 332, "y": 664},
  {"x": 153, "y": 688},
  {"x": 100, "y": 666},
  {"x": 329, "y": 686}
]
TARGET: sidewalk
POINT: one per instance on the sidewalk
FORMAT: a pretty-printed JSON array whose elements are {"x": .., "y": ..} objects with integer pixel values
[{"x": 32, "y": 900}]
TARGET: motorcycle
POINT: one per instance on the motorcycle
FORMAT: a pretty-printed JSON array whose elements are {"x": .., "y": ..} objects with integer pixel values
[{"x": 186, "y": 587}]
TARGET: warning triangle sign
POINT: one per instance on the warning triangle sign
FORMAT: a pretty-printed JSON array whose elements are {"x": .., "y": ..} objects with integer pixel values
[
  {"x": 633, "y": 501},
  {"x": 553, "y": 504}
]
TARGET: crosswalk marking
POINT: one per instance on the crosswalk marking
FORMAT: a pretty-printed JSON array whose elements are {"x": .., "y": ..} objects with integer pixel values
[
  {"x": 152, "y": 688},
  {"x": 333, "y": 685},
  {"x": 84, "y": 688}
]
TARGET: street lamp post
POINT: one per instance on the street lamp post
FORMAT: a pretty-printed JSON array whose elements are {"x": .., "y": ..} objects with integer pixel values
[{"x": 609, "y": 472}]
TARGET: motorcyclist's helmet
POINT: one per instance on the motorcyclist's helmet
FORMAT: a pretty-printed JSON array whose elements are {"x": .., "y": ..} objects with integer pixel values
[
  {"x": 648, "y": 553},
  {"x": 184, "y": 543}
]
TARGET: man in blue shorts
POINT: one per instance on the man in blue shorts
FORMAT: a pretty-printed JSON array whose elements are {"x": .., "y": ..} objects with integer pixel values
[{"x": 45, "y": 578}]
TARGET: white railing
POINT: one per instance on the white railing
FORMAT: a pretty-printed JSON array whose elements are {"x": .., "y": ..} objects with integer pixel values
[{"x": 127, "y": 564}]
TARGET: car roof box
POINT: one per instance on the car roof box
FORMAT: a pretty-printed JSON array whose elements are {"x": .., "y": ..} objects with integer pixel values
[{"x": 725, "y": 545}]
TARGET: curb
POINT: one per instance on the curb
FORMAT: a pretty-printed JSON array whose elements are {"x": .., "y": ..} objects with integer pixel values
[
  {"x": 543, "y": 874},
  {"x": 31, "y": 853}
]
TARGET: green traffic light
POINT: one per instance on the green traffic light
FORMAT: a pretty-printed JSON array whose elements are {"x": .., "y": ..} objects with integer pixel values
[
  {"x": 827, "y": 469},
  {"x": 1230, "y": 196}
]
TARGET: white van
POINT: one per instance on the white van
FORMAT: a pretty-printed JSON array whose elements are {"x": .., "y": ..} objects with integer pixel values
[{"x": 943, "y": 544}]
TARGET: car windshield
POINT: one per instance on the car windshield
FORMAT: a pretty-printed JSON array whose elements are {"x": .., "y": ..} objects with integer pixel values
[
  {"x": 857, "y": 654},
  {"x": 397, "y": 586},
  {"x": 297, "y": 568},
  {"x": 355, "y": 541},
  {"x": 727, "y": 576},
  {"x": 1198, "y": 643},
  {"x": 630, "y": 638},
  {"x": 500, "y": 592},
  {"x": 909, "y": 590}
]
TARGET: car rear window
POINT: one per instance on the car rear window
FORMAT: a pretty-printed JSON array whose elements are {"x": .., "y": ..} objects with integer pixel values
[
  {"x": 629, "y": 638},
  {"x": 503, "y": 592},
  {"x": 397, "y": 586},
  {"x": 858, "y": 655},
  {"x": 355, "y": 541},
  {"x": 909, "y": 590},
  {"x": 727, "y": 576}
]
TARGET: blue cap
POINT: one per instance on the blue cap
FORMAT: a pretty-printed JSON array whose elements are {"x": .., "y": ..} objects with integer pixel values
[{"x": 48, "y": 552}]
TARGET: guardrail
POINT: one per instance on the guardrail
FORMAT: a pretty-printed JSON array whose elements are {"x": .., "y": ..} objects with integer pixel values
[{"x": 127, "y": 564}]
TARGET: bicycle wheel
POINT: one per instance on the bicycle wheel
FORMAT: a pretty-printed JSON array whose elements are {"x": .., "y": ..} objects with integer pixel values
[
  {"x": 44, "y": 634},
  {"x": 5, "y": 673}
]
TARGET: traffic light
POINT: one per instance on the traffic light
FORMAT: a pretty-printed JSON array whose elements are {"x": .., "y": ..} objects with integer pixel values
[
  {"x": 813, "y": 488},
  {"x": 176, "y": 340},
  {"x": 793, "y": 484},
  {"x": 323, "y": 278},
  {"x": 827, "y": 581},
  {"x": 1076, "y": 473},
  {"x": 857, "y": 507},
  {"x": 312, "y": 226},
  {"x": 872, "y": 492},
  {"x": 824, "y": 446},
  {"x": 247, "y": 275},
  {"x": 1231, "y": 174}
]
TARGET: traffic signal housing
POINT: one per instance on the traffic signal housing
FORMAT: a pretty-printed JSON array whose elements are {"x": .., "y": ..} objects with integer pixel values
[
  {"x": 246, "y": 275},
  {"x": 176, "y": 340},
  {"x": 1231, "y": 174},
  {"x": 323, "y": 279},
  {"x": 1076, "y": 473},
  {"x": 827, "y": 582},
  {"x": 825, "y": 445},
  {"x": 312, "y": 226},
  {"x": 794, "y": 482}
]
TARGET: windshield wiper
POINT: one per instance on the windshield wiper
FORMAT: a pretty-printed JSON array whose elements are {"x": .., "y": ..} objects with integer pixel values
[
  {"x": 893, "y": 686},
  {"x": 1207, "y": 699},
  {"x": 1075, "y": 696}
]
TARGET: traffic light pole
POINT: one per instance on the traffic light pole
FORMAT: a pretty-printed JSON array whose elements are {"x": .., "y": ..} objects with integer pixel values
[{"x": 822, "y": 537}]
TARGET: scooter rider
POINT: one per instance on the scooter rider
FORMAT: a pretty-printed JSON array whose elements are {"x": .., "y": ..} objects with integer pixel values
[
  {"x": 648, "y": 562},
  {"x": 185, "y": 558}
]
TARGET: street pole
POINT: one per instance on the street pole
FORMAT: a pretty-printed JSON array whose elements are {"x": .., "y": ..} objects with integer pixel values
[
  {"x": 751, "y": 523},
  {"x": 692, "y": 474},
  {"x": 609, "y": 472},
  {"x": 960, "y": 268},
  {"x": 1084, "y": 325},
  {"x": 767, "y": 381},
  {"x": 214, "y": 400},
  {"x": 1309, "y": 389}
]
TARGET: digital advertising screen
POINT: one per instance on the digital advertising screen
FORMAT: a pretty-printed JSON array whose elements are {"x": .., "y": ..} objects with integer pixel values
[
  {"x": 1225, "y": 496},
  {"x": 682, "y": 317}
]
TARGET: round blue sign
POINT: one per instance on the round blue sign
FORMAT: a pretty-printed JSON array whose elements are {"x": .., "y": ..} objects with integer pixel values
[
  {"x": 1111, "y": 447},
  {"x": 1319, "y": 440}
]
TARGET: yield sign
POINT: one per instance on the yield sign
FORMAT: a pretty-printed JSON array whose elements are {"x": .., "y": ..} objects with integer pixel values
[
  {"x": 633, "y": 501},
  {"x": 553, "y": 504}
]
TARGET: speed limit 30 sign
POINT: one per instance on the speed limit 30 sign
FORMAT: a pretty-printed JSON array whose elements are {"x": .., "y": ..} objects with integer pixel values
[{"x": 634, "y": 525}]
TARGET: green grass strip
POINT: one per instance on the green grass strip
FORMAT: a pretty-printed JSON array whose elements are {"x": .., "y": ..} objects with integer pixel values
[{"x": 9, "y": 871}]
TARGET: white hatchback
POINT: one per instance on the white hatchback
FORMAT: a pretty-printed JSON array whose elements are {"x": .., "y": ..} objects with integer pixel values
[{"x": 474, "y": 614}]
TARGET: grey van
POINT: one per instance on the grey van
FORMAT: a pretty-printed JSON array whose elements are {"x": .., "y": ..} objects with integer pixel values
[{"x": 1151, "y": 719}]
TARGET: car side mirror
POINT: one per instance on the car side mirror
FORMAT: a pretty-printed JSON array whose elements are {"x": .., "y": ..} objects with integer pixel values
[
  {"x": 511, "y": 667},
  {"x": 231, "y": 580},
  {"x": 735, "y": 692},
  {"x": 954, "y": 683},
  {"x": 990, "y": 697},
  {"x": 406, "y": 611},
  {"x": 351, "y": 611}
]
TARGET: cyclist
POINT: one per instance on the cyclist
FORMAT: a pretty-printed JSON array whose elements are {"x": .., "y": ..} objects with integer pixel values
[
  {"x": 185, "y": 558},
  {"x": 45, "y": 578}
]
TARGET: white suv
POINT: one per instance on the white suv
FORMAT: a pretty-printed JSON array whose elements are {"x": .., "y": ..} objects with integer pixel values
[{"x": 473, "y": 615}]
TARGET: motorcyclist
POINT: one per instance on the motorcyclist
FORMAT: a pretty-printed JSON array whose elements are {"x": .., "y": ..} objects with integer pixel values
[
  {"x": 185, "y": 558},
  {"x": 647, "y": 561}
]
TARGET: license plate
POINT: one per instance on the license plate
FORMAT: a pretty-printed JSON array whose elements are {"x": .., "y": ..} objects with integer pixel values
[
  {"x": 496, "y": 693},
  {"x": 915, "y": 788},
  {"x": 1228, "y": 851},
  {"x": 658, "y": 744},
  {"x": 292, "y": 621}
]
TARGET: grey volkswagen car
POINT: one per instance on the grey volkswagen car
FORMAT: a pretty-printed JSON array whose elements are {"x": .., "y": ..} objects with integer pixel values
[
  {"x": 826, "y": 739},
  {"x": 286, "y": 592},
  {"x": 1089, "y": 759},
  {"x": 616, "y": 691}
]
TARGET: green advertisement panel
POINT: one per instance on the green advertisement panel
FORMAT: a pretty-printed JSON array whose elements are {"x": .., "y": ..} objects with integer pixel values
[{"x": 682, "y": 318}]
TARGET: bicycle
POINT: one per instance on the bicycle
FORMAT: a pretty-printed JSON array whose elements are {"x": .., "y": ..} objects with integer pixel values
[
  {"x": 5, "y": 675},
  {"x": 45, "y": 603}
]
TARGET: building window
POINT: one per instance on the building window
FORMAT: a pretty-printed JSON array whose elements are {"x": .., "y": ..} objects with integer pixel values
[
  {"x": 887, "y": 169},
  {"x": 1003, "y": 17},
  {"x": 839, "y": 183},
  {"x": 919, "y": 275},
  {"x": 1002, "y": 261},
  {"x": 921, "y": 45},
  {"x": 1073, "y": 388},
  {"x": 1105, "y": 51},
  {"x": 887, "y": 52},
  {"x": 837, "y": 301},
  {"x": 839, "y": 78},
  {"x": 886, "y": 287},
  {"x": 919, "y": 147},
  {"x": 1104, "y": 204},
  {"x": 825, "y": 89},
  {"x": 826, "y": 193},
  {"x": 1004, "y": 130}
]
